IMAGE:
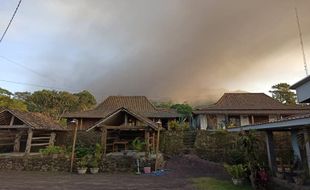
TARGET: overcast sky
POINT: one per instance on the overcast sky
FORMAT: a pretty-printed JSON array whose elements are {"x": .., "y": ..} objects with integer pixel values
[{"x": 184, "y": 50}]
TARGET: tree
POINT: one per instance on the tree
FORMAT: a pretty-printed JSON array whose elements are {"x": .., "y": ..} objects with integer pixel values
[
  {"x": 56, "y": 103},
  {"x": 184, "y": 109},
  {"x": 6, "y": 101},
  {"x": 283, "y": 93}
]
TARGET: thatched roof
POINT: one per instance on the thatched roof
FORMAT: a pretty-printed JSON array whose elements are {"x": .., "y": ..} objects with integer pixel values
[
  {"x": 36, "y": 121},
  {"x": 251, "y": 103},
  {"x": 138, "y": 104}
]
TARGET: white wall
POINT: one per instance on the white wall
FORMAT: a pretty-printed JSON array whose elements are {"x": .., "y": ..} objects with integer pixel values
[
  {"x": 220, "y": 121},
  {"x": 203, "y": 121},
  {"x": 244, "y": 120}
]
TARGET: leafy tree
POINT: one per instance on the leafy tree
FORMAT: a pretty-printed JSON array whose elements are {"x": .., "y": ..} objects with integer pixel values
[
  {"x": 283, "y": 94},
  {"x": 10, "y": 103},
  {"x": 183, "y": 109},
  {"x": 4, "y": 92},
  {"x": 56, "y": 103},
  {"x": 22, "y": 95},
  {"x": 85, "y": 100}
]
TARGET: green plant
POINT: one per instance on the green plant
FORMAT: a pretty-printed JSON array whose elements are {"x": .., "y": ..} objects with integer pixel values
[
  {"x": 178, "y": 126},
  {"x": 236, "y": 171},
  {"x": 82, "y": 151},
  {"x": 94, "y": 163},
  {"x": 52, "y": 150},
  {"x": 138, "y": 145},
  {"x": 83, "y": 162}
]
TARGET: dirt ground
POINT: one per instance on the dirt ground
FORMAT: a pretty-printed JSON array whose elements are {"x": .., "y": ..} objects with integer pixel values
[{"x": 179, "y": 172}]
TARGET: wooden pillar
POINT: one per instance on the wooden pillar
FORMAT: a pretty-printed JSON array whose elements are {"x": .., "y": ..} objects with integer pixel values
[
  {"x": 81, "y": 124},
  {"x": 17, "y": 141},
  {"x": 147, "y": 141},
  {"x": 307, "y": 143},
  {"x": 104, "y": 140},
  {"x": 52, "y": 139},
  {"x": 12, "y": 120},
  {"x": 29, "y": 140},
  {"x": 270, "y": 152},
  {"x": 126, "y": 119},
  {"x": 73, "y": 146},
  {"x": 295, "y": 145},
  {"x": 252, "y": 119},
  {"x": 157, "y": 149}
]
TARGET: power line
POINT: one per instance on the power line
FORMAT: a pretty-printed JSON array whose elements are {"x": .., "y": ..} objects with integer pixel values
[
  {"x": 25, "y": 67},
  {"x": 8, "y": 26},
  {"x": 35, "y": 85},
  {"x": 301, "y": 38}
]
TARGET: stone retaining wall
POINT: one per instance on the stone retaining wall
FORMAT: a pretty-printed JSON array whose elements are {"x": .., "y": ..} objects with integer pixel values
[{"x": 112, "y": 163}]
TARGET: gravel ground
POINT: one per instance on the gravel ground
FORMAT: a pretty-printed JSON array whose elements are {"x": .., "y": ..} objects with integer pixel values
[{"x": 178, "y": 176}]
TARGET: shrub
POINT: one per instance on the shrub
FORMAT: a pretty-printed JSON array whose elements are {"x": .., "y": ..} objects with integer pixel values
[
  {"x": 236, "y": 171},
  {"x": 138, "y": 145},
  {"x": 52, "y": 150}
]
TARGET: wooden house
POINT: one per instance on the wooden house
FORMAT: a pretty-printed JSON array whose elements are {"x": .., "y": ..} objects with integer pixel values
[
  {"x": 241, "y": 109},
  {"x": 121, "y": 119},
  {"x": 22, "y": 131}
]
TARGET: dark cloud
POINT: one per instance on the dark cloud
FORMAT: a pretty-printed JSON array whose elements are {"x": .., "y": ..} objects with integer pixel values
[{"x": 176, "y": 49}]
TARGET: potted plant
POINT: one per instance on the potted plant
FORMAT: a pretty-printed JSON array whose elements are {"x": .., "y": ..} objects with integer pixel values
[
  {"x": 147, "y": 166},
  {"x": 94, "y": 166},
  {"x": 138, "y": 145},
  {"x": 237, "y": 172},
  {"x": 82, "y": 165},
  {"x": 95, "y": 159}
]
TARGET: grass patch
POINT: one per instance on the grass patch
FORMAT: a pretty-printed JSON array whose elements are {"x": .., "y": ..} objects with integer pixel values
[{"x": 206, "y": 183}]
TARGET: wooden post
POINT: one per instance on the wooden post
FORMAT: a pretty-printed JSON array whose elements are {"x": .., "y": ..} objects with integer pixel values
[
  {"x": 104, "y": 140},
  {"x": 81, "y": 124},
  {"x": 52, "y": 139},
  {"x": 12, "y": 120},
  {"x": 252, "y": 119},
  {"x": 307, "y": 143},
  {"x": 157, "y": 149},
  {"x": 270, "y": 152},
  {"x": 295, "y": 145},
  {"x": 126, "y": 119},
  {"x": 147, "y": 141},
  {"x": 17, "y": 141},
  {"x": 73, "y": 145},
  {"x": 29, "y": 140}
]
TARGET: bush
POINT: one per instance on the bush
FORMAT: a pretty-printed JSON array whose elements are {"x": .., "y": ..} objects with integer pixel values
[
  {"x": 52, "y": 150},
  {"x": 236, "y": 171}
]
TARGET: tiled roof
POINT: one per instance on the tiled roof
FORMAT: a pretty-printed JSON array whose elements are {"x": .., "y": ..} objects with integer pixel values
[
  {"x": 138, "y": 104},
  {"x": 251, "y": 103},
  {"x": 34, "y": 120}
]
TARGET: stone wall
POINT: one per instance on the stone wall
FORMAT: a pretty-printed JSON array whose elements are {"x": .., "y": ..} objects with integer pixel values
[
  {"x": 34, "y": 163},
  {"x": 116, "y": 162}
]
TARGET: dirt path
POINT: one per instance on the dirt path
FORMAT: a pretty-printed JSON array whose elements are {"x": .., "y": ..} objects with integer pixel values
[{"x": 180, "y": 170}]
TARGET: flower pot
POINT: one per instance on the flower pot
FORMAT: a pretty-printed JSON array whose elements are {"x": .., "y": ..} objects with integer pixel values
[
  {"x": 82, "y": 170},
  {"x": 237, "y": 181},
  {"x": 147, "y": 170},
  {"x": 94, "y": 170}
]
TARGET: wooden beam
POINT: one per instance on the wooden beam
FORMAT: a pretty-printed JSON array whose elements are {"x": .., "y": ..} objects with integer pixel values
[
  {"x": 40, "y": 144},
  {"x": 104, "y": 140},
  {"x": 126, "y": 127},
  {"x": 73, "y": 145},
  {"x": 157, "y": 149},
  {"x": 17, "y": 141},
  {"x": 307, "y": 143},
  {"x": 126, "y": 119},
  {"x": 12, "y": 120},
  {"x": 13, "y": 127},
  {"x": 29, "y": 140},
  {"x": 270, "y": 152},
  {"x": 52, "y": 139},
  {"x": 40, "y": 138},
  {"x": 147, "y": 141}
]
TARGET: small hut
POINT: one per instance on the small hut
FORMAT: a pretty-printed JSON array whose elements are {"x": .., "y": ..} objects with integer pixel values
[
  {"x": 122, "y": 126},
  {"x": 26, "y": 132}
]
